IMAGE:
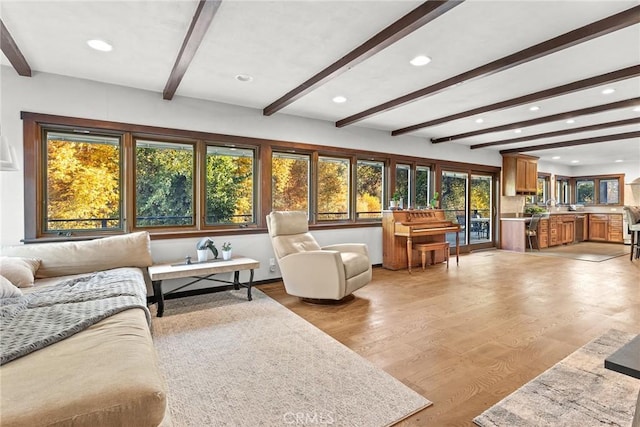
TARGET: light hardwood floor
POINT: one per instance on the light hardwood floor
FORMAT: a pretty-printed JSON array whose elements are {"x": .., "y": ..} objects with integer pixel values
[{"x": 466, "y": 337}]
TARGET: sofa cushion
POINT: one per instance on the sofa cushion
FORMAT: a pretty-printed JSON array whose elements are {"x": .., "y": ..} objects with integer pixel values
[
  {"x": 107, "y": 375},
  {"x": 19, "y": 271},
  {"x": 8, "y": 289},
  {"x": 66, "y": 258}
]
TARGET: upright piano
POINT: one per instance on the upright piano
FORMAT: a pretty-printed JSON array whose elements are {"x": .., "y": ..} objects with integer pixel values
[{"x": 402, "y": 228}]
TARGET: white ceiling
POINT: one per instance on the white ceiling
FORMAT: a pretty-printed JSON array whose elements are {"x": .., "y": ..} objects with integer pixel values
[{"x": 283, "y": 43}]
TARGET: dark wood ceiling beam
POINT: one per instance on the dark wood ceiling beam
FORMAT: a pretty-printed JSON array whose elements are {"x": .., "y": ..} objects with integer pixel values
[
  {"x": 573, "y": 143},
  {"x": 588, "y": 32},
  {"x": 12, "y": 52},
  {"x": 590, "y": 128},
  {"x": 418, "y": 17},
  {"x": 202, "y": 18},
  {"x": 541, "y": 120},
  {"x": 565, "y": 89}
]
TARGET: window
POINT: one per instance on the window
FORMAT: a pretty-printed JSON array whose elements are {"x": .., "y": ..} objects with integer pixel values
[
  {"x": 164, "y": 184},
  {"x": 333, "y": 189},
  {"x": 562, "y": 191},
  {"x": 290, "y": 182},
  {"x": 403, "y": 182},
  {"x": 609, "y": 191},
  {"x": 585, "y": 191},
  {"x": 91, "y": 178},
  {"x": 229, "y": 185},
  {"x": 369, "y": 182},
  {"x": 543, "y": 192},
  {"x": 423, "y": 174},
  {"x": 83, "y": 182}
]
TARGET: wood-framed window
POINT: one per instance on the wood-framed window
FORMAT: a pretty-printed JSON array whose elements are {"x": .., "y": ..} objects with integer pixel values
[
  {"x": 599, "y": 190},
  {"x": 179, "y": 183}
]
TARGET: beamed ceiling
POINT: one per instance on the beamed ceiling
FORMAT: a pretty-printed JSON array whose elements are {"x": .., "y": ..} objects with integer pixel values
[{"x": 490, "y": 60}]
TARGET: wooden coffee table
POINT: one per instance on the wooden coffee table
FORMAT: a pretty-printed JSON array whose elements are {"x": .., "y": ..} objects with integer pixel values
[{"x": 201, "y": 271}]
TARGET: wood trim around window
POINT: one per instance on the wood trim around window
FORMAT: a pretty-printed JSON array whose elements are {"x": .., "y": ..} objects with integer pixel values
[{"x": 35, "y": 123}]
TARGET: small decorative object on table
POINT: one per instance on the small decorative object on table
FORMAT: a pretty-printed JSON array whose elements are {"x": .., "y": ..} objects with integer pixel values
[
  {"x": 202, "y": 246},
  {"x": 226, "y": 251}
]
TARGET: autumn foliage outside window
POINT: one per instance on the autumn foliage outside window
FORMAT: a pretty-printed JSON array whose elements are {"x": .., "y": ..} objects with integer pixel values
[
  {"x": 290, "y": 182},
  {"x": 333, "y": 189},
  {"x": 83, "y": 182},
  {"x": 229, "y": 185},
  {"x": 369, "y": 177},
  {"x": 164, "y": 184}
]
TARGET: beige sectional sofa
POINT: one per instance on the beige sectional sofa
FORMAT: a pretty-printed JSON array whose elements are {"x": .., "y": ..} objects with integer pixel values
[{"x": 104, "y": 375}]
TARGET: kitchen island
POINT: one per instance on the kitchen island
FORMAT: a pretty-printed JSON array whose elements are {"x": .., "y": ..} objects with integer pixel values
[{"x": 560, "y": 228}]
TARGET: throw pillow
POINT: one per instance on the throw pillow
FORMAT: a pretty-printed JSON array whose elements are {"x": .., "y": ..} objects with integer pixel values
[
  {"x": 19, "y": 271},
  {"x": 7, "y": 289}
]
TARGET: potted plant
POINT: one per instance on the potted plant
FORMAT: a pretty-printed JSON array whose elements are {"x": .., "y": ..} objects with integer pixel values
[
  {"x": 434, "y": 200},
  {"x": 202, "y": 246},
  {"x": 396, "y": 200},
  {"x": 226, "y": 251}
]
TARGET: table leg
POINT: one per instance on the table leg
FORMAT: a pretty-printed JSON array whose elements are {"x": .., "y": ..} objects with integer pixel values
[
  {"x": 236, "y": 280},
  {"x": 249, "y": 297},
  {"x": 409, "y": 248},
  {"x": 157, "y": 293},
  {"x": 457, "y": 248}
]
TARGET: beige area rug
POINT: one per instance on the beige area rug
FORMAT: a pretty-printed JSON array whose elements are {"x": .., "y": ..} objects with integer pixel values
[
  {"x": 585, "y": 251},
  {"x": 232, "y": 362},
  {"x": 578, "y": 391}
]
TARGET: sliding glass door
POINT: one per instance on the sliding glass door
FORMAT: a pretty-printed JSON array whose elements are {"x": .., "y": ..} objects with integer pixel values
[
  {"x": 467, "y": 198},
  {"x": 454, "y": 202}
]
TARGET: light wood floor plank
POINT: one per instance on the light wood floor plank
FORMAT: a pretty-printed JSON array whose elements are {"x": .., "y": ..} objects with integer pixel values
[{"x": 468, "y": 336}]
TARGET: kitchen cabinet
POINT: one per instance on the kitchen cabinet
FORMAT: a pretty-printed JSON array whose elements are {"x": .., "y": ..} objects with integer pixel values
[
  {"x": 519, "y": 174},
  {"x": 615, "y": 228},
  {"x": 598, "y": 227},
  {"x": 605, "y": 227},
  {"x": 554, "y": 230},
  {"x": 543, "y": 233},
  {"x": 567, "y": 229}
]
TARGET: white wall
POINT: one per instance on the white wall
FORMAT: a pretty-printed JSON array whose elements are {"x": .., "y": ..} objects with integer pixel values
[
  {"x": 59, "y": 95},
  {"x": 65, "y": 96}
]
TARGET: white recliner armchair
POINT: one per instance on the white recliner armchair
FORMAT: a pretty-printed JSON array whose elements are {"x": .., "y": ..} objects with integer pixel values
[{"x": 312, "y": 272}]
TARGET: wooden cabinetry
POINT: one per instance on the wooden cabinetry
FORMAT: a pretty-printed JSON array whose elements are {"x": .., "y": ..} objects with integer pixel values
[
  {"x": 554, "y": 230},
  {"x": 567, "y": 229},
  {"x": 605, "y": 227},
  {"x": 543, "y": 233},
  {"x": 599, "y": 227},
  {"x": 519, "y": 174},
  {"x": 615, "y": 228}
]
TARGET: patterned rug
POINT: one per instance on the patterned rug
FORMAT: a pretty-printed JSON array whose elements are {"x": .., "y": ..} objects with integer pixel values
[
  {"x": 578, "y": 391},
  {"x": 585, "y": 251},
  {"x": 231, "y": 362}
]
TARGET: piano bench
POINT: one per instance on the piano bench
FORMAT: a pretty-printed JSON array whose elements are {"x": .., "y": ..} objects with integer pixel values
[{"x": 423, "y": 248}]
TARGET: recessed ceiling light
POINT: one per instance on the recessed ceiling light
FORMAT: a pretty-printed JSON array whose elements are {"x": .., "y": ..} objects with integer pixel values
[
  {"x": 608, "y": 91},
  {"x": 570, "y": 121},
  {"x": 575, "y": 161},
  {"x": 100, "y": 45},
  {"x": 420, "y": 60},
  {"x": 555, "y": 157},
  {"x": 339, "y": 99},
  {"x": 245, "y": 78},
  {"x": 534, "y": 108},
  {"x": 517, "y": 131},
  {"x": 619, "y": 161},
  {"x": 480, "y": 120}
]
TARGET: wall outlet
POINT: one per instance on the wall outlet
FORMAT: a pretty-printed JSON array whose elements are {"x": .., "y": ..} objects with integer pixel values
[{"x": 272, "y": 264}]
